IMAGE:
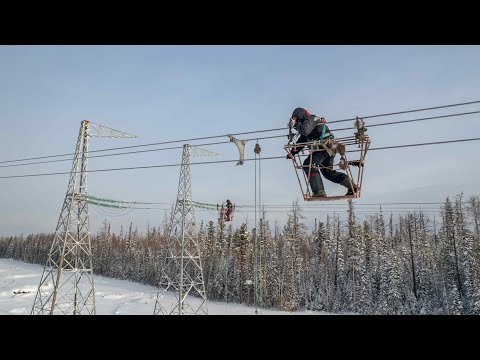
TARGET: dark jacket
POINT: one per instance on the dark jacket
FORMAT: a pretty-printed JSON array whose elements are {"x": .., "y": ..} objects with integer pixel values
[{"x": 310, "y": 128}]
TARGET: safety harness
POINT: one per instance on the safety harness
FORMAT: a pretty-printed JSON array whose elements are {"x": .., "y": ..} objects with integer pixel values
[
  {"x": 323, "y": 135},
  {"x": 323, "y": 140}
]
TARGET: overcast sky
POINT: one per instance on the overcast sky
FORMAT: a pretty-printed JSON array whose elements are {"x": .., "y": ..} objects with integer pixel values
[{"x": 163, "y": 93}]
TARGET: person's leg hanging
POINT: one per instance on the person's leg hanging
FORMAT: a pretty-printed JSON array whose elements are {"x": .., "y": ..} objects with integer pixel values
[
  {"x": 316, "y": 181},
  {"x": 336, "y": 176},
  {"x": 314, "y": 178}
]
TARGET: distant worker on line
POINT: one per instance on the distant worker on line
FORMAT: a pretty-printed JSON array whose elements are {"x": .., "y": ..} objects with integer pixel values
[
  {"x": 312, "y": 128},
  {"x": 228, "y": 214}
]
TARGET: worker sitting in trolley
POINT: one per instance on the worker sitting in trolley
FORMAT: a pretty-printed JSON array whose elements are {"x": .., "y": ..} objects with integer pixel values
[
  {"x": 229, "y": 213},
  {"x": 311, "y": 128}
]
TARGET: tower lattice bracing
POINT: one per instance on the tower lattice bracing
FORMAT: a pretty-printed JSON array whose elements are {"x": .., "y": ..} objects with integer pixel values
[
  {"x": 66, "y": 286},
  {"x": 182, "y": 272}
]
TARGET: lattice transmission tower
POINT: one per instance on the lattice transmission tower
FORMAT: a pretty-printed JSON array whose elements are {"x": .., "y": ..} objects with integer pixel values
[
  {"x": 182, "y": 271},
  {"x": 66, "y": 286}
]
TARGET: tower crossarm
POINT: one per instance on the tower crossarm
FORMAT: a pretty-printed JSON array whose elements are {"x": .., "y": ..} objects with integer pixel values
[
  {"x": 196, "y": 151},
  {"x": 100, "y": 131}
]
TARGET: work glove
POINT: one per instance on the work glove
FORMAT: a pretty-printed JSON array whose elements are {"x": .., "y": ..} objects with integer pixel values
[
  {"x": 319, "y": 120},
  {"x": 291, "y": 123},
  {"x": 291, "y": 154}
]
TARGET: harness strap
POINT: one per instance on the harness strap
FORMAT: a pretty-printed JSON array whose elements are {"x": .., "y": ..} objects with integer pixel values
[{"x": 325, "y": 134}]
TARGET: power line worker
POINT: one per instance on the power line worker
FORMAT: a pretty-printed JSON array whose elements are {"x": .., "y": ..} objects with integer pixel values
[
  {"x": 228, "y": 214},
  {"x": 311, "y": 128}
]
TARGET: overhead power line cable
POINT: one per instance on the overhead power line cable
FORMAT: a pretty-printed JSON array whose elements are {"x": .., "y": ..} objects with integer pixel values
[
  {"x": 244, "y": 133},
  {"x": 227, "y": 161},
  {"x": 411, "y": 120},
  {"x": 227, "y": 142}
]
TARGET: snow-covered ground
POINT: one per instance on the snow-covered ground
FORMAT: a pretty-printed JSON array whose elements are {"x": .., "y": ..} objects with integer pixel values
[{"x": 19, "y": 281}]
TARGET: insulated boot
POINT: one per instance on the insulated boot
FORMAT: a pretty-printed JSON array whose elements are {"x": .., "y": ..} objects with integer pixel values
[
  {"x": 346, "y": 182},
  {"x": 320, "y": 193}
]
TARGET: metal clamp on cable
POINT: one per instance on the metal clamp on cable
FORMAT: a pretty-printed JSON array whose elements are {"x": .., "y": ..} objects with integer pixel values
[
  {"x": 324, "y": 144},
  {"x": 360, "y": 125}
]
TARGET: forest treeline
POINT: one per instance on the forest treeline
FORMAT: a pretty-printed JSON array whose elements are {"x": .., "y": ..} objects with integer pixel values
[{"x": 407, "y": 264}]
